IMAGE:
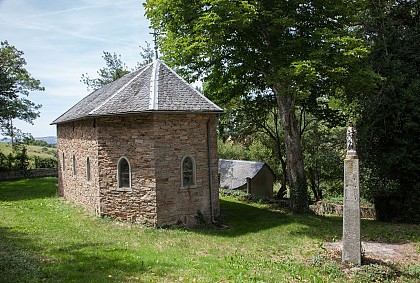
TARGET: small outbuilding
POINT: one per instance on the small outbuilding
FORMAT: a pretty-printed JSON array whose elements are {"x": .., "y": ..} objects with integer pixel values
[
  {"x": 255, "y": 178},
  {"x": 142, "y": 148}
]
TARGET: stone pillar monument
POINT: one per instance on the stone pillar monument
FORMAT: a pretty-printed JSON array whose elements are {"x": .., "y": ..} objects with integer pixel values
[{"x": 351, "y": 252}]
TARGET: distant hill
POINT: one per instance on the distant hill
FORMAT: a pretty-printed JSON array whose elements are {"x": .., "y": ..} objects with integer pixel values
[{"x": 49, "y": 139}]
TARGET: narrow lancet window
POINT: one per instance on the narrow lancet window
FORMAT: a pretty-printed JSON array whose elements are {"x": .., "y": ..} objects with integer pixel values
[
  {"x": 88, "y": 169},
  {"x": 74, "y": 165},
  {"x": 124, "y": 174},
  {"x": 188, "y": 172}
]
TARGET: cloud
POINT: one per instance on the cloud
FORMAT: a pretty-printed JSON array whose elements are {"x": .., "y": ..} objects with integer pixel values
[{"x": 62, "y": 40}]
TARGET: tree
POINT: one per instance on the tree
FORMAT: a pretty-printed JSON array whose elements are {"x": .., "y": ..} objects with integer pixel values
[
  {"x": 323, "y": 151},
  {"x": 115, "y": 68},
  {"x": 305, "y": 52},
  {"x": 389, "y": 130},
  {"x": 147, "y": 55},
  {"x": 255, "y": 114},
  {"x": 15, "y": 84}
]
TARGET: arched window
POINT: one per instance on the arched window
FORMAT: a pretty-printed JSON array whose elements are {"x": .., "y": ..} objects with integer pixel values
[
  {"x": 124, "y": 174},
  {"x": 88, "y": 169},
  {"x": 63, "y": 163},
  {"x": 74, "y": 165},
  {"x": 188, "y": 172}
]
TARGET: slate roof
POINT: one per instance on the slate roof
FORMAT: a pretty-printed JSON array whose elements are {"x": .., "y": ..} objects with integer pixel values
[
  {"x": 155, "y": 87},
  {"x": 233, "y": 173}
]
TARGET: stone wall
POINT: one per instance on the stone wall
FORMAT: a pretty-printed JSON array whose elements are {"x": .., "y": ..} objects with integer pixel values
[
  {"x": 33, "y": 173},
  {"x": 78, "y": 139},
  {"x": 323, "y": 208},
  {"x": 177, "y": 136},
  {"x": 130, "y": 137},
  {"x": 154, "y": 145}
]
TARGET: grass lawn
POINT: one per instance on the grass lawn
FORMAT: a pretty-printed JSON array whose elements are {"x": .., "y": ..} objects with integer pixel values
[{"x": 44, "y": 239}]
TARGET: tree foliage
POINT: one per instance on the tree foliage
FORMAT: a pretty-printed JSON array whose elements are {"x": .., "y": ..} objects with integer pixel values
[
  {"x": 254, "y": 119},
  {"x": 323, "y": 147},
  {"x": 390, "y": 125},
  {"x": 305, "y": 52},
  {"x": 115, "y": 68},
  {"x": 15, "y": 85}
]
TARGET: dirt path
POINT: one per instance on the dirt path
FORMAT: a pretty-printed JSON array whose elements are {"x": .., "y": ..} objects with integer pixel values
[{"x": 384, "y": 252}]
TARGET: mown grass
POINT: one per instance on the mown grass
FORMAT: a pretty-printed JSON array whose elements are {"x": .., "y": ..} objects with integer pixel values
[{"x": 44, "y": 239}]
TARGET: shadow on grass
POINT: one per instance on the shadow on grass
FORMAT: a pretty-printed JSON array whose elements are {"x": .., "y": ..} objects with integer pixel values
[
  {"x": 21, "y": 260},
  {"x": 18, "y": 262},
  {"x": 241, "y": 218},
  {"x": 27, "y": 189}
]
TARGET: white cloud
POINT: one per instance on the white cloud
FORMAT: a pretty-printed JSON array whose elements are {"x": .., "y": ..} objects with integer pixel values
[{"x": 64, "y": 39}]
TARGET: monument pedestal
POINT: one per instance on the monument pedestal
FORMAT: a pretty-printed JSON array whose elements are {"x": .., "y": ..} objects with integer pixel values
[{"x": 351, "y": 252}]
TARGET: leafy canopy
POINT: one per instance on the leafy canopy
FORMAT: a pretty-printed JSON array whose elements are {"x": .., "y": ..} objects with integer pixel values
[
  {"x": 242, "y": 46},
  {"x": 15, "y": 85},
  {"x": 305, "y": 52},
  {"x": 390, "y": 129}
]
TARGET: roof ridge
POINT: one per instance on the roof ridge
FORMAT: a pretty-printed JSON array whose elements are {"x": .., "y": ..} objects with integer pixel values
[
  {"x": 243, "y": 161},
  {"x": 190, "y": 86},
  {"x": 119, "y": 90},
  {"x": 154, "y": 84}
]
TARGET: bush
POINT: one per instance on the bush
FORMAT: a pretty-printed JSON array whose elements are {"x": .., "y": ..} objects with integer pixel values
[{"x": 44, "y": 162}]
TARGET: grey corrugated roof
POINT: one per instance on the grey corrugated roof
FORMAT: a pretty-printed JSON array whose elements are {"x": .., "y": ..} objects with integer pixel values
[
  {"x": 155, "y": 87},
  {"x": 233, "y": 173}
]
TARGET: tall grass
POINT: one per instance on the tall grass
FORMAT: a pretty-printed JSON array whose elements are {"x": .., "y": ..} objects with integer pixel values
[{"x": 46, "y": 239}]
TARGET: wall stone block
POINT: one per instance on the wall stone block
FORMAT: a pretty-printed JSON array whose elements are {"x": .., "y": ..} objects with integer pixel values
[{"x": 154, "y": 145}]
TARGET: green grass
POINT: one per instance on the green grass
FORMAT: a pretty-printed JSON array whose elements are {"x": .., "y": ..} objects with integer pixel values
[
  {"x": 44, "y": 239},
  {"x": 33, "y": 150}
]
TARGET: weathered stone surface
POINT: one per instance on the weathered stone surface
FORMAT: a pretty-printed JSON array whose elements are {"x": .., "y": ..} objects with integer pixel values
[
  {"x": 325, "y": 208},
  {"x": 351, "y": 213},
  {"x": 78, "y": 139},
  {"x": 154, "y": 145}
]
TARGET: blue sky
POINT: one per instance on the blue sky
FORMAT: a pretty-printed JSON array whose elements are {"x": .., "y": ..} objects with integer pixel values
[{"x": 63, "y": 39}]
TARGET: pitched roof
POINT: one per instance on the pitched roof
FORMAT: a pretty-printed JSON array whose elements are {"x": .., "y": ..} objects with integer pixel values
[
  {"x": 233, "y": 173},
  {"x": 155, "y": 87}
]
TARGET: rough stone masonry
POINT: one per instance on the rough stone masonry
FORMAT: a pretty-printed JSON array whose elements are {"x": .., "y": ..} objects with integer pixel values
[{"x": 351, "y": 252}]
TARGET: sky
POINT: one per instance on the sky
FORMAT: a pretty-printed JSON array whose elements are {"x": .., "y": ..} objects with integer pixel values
[{"x": 63, "y": 39}]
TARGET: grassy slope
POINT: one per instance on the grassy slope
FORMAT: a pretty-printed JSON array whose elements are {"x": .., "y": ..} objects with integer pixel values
[
  {"x": 43, "y": 238},
  {"x": 33, "y": 150}
]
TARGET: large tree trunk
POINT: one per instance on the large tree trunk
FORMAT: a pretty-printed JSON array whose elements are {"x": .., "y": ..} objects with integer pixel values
[{"x": 294, "y": 155}]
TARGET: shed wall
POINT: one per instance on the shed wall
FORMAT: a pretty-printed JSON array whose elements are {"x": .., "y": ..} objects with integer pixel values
[{"x": 262, "y": 183}]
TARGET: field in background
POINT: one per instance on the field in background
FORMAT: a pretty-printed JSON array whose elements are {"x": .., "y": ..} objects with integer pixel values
[
  {"x": 33, "y": 150},
  {"x": 45, "y": 239}
]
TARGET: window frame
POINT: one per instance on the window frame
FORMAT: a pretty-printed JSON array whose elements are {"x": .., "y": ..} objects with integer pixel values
[
  {"x": 120, "y": 188},
  {"x": 194, "y": 173},
  {"x": 63, "y": 163},
  {"x": 74, "y": 165},
  {"x": 88, "y": 170}
]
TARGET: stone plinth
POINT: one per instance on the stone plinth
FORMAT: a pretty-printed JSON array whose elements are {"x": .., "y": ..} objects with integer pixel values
[{"x": 351, "y": 252}]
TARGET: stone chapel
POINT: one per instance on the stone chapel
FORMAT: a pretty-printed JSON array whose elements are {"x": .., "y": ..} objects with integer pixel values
[{"x": 142, "y": 148}]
